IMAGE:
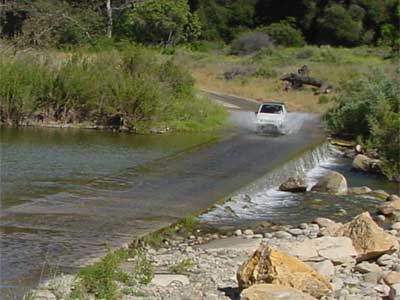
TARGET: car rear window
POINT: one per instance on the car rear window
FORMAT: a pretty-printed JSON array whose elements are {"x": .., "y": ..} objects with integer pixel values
[{"x": 271, "y": 109}]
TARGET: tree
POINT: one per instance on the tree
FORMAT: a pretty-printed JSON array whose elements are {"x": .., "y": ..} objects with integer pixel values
[
  {"x": 166, "y": 22},
  {"x": 337, "y": 26}
]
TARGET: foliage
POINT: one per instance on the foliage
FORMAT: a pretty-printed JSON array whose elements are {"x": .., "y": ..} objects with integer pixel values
[
  {"x": 182, "y": 267},
  {"x": 188, "y": 223},
  {"x": 77, "y": 22},
  {"x": 368, "y": 108},
  {"x": 339, "y": 27},
  {"x": 165, "y": 22},
  {"x": 284, "y": 33},
  {"x": 100, "y": 279},
  {"x": 250, "y": 42},
  {"x": 136, "y": 93}
]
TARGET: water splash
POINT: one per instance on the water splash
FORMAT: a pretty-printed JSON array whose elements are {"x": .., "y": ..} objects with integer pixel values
[{"x": 246, "y": 120}]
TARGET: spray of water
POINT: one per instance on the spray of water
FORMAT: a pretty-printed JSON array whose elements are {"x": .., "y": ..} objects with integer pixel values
[{"x": 246, "y": 120}]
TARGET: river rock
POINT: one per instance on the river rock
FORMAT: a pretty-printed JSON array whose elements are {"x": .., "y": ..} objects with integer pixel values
[
  {"x": 392, "y": 278},
  {"x": 359, "y": 190},
  {"x": 390, "y": 207},
  {"x": 337, "y": 249},
  {"x": 325, "y": 268},
  {"x": 366, "y": 267},
  {"x": 294, "y": 185},
  {"x": 368, "y": 238},
  {"x": 273, "y": 292},
  {"x": 394, "y": 293},
  {"x": 269, "y": 265},
  {"x": 393, "y": 197},
  {"x": 332, "y": 183},
  {"x": 364, "y": 163},
  {"x": 329, "y": 227},
  {"x": 380, "y": 194},
  {"x": 43, "y": 295}
]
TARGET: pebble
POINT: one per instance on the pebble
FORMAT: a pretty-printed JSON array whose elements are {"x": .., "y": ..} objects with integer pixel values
[
  {"x": 238, "y": 232},
  {"x": 248, "y": 232},
  {"x": 282, "y": 235},
  {"x": 295, "y": 231}
]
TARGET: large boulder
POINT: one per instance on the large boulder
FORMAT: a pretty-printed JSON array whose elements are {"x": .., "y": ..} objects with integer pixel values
[
  {"x": 273, "y": 292},
  {"x": 364, "y": 163},
  {"x": 332, "y": 183},
  {"x": 294, "y": 185},
  {"x": 369, "y": 240},
  {"x": 269, "y": 265},
  {"x": 339, "y": 250}
]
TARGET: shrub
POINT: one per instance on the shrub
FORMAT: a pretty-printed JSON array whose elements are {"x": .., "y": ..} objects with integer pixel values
[
  {"x": 368, "y": 107},
  {"x": 117, "y": 89},
  {"x": 284, "y": 33},
  {"x": 250, "y": 42},
  {"x": 323, "y": 99}
]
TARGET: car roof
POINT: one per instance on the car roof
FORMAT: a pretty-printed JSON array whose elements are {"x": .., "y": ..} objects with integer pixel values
[{"x": 273, "y": 103}]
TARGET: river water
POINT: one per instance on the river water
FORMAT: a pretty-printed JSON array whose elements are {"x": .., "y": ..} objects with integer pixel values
[
  {"x": 69, "y": 195},
  {"x": 43, "y": 169}
]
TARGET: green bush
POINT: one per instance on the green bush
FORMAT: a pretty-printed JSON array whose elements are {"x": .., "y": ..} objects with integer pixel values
[
  {"x": 250, "y": 42},
  {"x": 117, "y": 89},
  {"x": 284, "y": 33},
  {"x": 368, "y": 108}
]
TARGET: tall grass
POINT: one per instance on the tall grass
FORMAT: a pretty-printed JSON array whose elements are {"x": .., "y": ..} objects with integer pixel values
[
  {"x": 335, "y": 65},
  {"x": 128, "y": 89}
]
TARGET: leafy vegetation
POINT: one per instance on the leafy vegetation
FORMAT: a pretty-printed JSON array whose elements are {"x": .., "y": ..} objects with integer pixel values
[
  {"x": 182, "y": 267},
  {"x": 368, "y": 109},
  {"x": 100, "y": 279},
  {"x": 128, "y": 89},
  {"x": 171, "y": 22}
]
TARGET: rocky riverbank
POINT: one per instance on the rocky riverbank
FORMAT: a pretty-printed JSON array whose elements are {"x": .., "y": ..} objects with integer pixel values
[
  {"x": 320, "y": 260},
  {"x": 323, "y": 259}
]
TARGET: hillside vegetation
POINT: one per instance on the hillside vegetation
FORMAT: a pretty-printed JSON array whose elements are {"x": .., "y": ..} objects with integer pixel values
[{"x": 239, "y": 47}]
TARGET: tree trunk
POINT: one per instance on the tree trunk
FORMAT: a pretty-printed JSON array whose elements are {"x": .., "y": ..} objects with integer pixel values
[
  {"x": 109, "y": 19},
  {"x": 297, "y": 81}
]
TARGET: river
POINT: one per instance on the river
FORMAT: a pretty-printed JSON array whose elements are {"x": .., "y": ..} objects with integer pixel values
[{"x": 69, "y": 195}]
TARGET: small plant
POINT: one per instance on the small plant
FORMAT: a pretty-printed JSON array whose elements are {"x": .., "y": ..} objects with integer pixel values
[
  {"x": 154, "y": 239},
  {"x": 183, "y": 267},
  {"x": 132, "y": 292},
  {"x": 188, "y": 223},
  {"x": 323, "y": 99},
  {"x": 143, "y": 271}
]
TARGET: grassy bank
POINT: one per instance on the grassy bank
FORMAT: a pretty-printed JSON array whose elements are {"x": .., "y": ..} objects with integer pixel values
[
  {"x": 134, "y": 89},
  {"x": 257, "y": 75}
]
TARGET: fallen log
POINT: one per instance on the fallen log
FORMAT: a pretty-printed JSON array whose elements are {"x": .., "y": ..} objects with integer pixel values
[{"x": 297, "y": 81}]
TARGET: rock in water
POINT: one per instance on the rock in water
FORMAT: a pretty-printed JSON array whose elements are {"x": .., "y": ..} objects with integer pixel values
[
  {"x": 364, "y": 163},
  {"x": 273, "y": 292},
  {"x": 389, "y": 207},
  {"x": 332, "y": 183},
  {"x": 294, "y": 185},
  {"x": 369, "y": 240},
  {"x": 359, "y": 190},
  {"x": 268, "y": 265}
]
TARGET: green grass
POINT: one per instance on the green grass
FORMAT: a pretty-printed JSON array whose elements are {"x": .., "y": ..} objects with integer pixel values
[
  {"x": 335, "y": 65},
  {"x": 100, "y": 279},
  {"x": 182, "y": 267}
]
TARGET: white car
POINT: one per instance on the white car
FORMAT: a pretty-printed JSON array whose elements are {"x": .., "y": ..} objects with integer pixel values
[{"x": 271, "y": 117}]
